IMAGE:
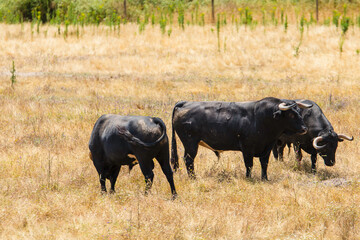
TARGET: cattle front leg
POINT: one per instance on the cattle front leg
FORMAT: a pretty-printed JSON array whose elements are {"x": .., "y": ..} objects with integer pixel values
[
  {"x": 313, "y": 162},
  {"x": 280, "y": 149},
  {"x": 264, "y": 165},
  {"x": 163, "y": 159},
  {"x": 113, "y": 176},
  {"x": 298, "y": 153},
  {"x": 102, "y": 183},
  {"x": 248, "y": 160},
  {"x": 275, "y": 152}
]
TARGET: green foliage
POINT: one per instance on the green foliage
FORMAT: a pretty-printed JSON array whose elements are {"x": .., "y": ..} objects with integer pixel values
[
  {"x": 13, "y": 76},
  {"x": 218, "y": 30},
  {"x": 181, "y": 13},
  {"x": 162, "y": 22},
  {"x": 67, "y": 13},
  {"x": 345, "y": 22},
  {"x": 248, "y": 17},
  {"x": 301, "y": 29},
  {"x": 273, "y": 18},
  {"x": 327, "y": 22},
  {"x": 263, "y": 17},
  {"x": 336, "y": 17}
]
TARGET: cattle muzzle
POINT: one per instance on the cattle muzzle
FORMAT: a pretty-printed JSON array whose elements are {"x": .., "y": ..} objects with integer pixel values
[{"x": 330, "y": 162}]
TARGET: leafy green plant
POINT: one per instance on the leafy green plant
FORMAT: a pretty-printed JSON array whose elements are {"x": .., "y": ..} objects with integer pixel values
[
  {"x": 169, "y": 32},
  {"x": 152, "y": 19},
  {"x": 202, "y": 23},
  {"x": 286, "y": 24},
  {"x": 38, "y": 22},
  {"x": 273, "y": 18},
  {"x": 218, "y": 30},
  {"x": 163, "y": 22},
  {"x": 13, "y": 75},
  {"x": 248, "y": 17},
  {"x": 336, "y": 17},
  {"x": 263, "y": 16},
  {"x": 301, "y": 29},
  {"x": 181, "y": 17},
  {"x": 345, "y": 22},
  {"x": 224, "y": 21}
]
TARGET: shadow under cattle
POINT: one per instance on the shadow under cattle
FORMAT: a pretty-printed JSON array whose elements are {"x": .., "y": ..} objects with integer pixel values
[
  {"x": 222, "y": 174},
  {"x": 227, "y": 174},
  {"x": 305, "y": 167}
]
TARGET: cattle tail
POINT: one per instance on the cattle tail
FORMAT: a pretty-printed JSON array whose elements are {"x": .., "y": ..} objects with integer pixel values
[
  {"x": 131, "y": 138},
  {"x": 174, "y": 154}
]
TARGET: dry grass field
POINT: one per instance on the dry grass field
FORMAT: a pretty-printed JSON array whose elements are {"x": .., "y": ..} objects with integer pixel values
[{"x": 49, "y": 188}]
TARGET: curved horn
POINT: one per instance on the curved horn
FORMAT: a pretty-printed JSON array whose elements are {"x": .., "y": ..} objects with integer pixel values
[
  {"x": 343, "y": 136},
  {"x": 303, "y": 105},
  {"x": 283, "y": 107},
  {"x": 315, "y": 143}
]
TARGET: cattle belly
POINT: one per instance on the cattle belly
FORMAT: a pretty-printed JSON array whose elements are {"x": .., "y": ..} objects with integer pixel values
[{"x": 204, "y": 144}]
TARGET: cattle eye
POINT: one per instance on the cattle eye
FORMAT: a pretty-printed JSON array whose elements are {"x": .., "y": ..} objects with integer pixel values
[{"x": 291, "y": 115}]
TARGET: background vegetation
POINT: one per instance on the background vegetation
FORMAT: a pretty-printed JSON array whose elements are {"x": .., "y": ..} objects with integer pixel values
[
  {"x": 96, "y": 11},
  {"x": 58, "y": 77}
]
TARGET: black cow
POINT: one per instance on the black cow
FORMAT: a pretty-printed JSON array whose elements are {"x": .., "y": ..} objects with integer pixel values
[
  {"x": 119, "y": 140},
  {"x": 251, "y": 127},
  {"x": 320, "y": 139}
]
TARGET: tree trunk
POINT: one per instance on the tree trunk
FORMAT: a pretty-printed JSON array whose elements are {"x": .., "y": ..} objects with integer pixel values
[
  {"x": 317, "y": 10},
  {"x": 212, "y": 11},
  {"x": 125, "y": 14}
]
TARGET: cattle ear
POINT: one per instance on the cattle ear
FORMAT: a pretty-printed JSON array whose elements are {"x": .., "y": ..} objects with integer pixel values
[
  {"x": 340, "y": 140},
  {"x": 277, "y": 114}
]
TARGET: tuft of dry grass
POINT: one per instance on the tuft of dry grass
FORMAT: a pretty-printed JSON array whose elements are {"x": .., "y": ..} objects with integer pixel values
[{"x": 49, "y": 188}]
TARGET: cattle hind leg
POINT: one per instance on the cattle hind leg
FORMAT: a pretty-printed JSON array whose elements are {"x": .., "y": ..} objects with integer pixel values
[
  {"x": 146, "y": 166},
  {"x": 275, "y": 152},
  {"x": 189, "y": 156},
  {"x": 113, "y": 176},
  {"x": 163, "y": 159},
  {"x": 264, "y": 161}
]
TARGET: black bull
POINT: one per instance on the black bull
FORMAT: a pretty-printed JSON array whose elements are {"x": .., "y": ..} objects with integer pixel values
[
  {"x": 118, "y": 140},
  {"x": 251, "y": 127},
  {"x": 320, "y": 139}
]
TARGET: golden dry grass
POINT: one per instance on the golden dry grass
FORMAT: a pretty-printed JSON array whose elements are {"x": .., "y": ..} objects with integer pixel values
[{"x": 49, "y": 188}]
